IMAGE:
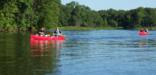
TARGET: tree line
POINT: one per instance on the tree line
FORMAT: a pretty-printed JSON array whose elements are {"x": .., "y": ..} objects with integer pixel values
[
  {"x": 75, "y": 14},
  {"x": 22, "y": 15}
]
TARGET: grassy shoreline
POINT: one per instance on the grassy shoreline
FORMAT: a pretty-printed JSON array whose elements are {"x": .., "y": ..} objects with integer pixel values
[
  {"x": 99, "y": 28},
  {"x": 78, "y": 28},
  {"x": 86, "y": 28}
]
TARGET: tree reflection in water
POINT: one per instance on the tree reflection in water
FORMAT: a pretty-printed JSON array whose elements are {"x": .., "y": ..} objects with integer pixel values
[
  {"x": 18, "y": 56},
  {"x": 45, "y": 55}
]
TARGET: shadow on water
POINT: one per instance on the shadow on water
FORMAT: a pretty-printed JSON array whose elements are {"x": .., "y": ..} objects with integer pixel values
[{"x": 19, "y": 56}]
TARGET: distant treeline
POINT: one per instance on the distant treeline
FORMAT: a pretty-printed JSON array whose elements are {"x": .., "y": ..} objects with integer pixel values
[
  {"x": 79, "y": 15},
  {"x": 27, "y": 14}
]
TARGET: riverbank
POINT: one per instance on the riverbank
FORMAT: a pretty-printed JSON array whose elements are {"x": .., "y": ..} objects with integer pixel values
[
  {"x": 77, "y": 28},
  {"x": 86, "y": 28},
  {"x": 150, "y": 28}
]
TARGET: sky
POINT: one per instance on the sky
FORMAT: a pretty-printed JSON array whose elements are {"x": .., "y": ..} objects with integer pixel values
[{"x": 115, "y": 4}]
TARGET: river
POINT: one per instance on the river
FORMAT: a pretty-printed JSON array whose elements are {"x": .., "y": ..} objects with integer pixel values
[{"x": 93, "y": 52}]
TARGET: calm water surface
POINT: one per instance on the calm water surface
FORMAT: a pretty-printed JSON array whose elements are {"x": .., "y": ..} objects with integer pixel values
[{"x": 96, "y": 52}]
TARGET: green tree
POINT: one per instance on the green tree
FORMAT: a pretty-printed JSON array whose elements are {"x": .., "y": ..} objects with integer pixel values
[{"x": 47, "y": 12}]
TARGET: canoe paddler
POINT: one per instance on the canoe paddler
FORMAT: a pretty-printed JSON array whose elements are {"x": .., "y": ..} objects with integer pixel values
[
  {"x": 42, "y": 31},
  {"x": 57, "y": 32}
]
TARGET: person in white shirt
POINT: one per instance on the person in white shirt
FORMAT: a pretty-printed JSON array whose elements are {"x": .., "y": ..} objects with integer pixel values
[{"x": 57, "y": 32}]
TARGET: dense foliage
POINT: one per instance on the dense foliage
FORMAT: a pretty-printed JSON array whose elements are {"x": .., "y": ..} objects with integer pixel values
[
  {"x": 24, "y": 14},
  {"x": 79, "y": 15}
]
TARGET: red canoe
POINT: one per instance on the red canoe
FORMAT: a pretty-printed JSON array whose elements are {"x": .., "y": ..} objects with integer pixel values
[
  {"x": 143, "y": 33},
  {"x": 37, "y": 37}
]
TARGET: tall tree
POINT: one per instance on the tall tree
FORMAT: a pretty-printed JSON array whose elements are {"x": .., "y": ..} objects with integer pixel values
[
  {"x": 48, "y": 12},
  {"x": 7, "y": 16}
]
